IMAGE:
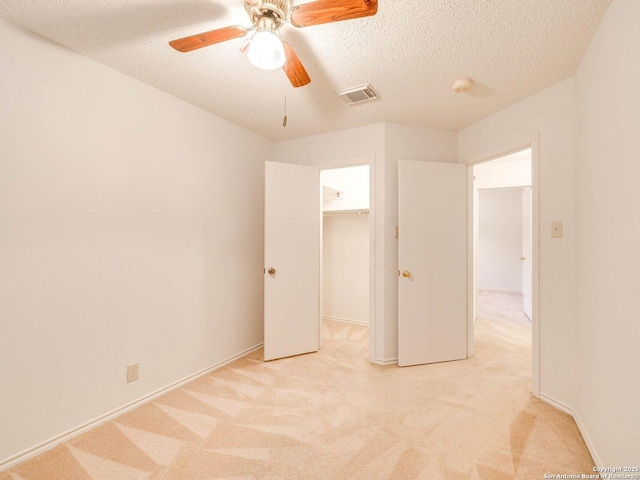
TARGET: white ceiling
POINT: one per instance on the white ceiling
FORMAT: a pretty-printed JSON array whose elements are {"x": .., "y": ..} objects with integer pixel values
[{"x": 411, "y": 52}]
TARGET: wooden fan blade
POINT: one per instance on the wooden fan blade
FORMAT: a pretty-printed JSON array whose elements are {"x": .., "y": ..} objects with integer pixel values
[
  {"x": 205, "y": 39},
  {"x": 298, "y": 76},
  {"x": 326, "y": 11}
]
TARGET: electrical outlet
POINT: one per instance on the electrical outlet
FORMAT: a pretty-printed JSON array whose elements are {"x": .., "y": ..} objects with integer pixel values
[{"x": 132, "y": 372}]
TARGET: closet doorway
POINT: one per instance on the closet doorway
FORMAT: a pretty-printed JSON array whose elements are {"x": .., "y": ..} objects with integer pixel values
[{"x": 346, "y": 259}]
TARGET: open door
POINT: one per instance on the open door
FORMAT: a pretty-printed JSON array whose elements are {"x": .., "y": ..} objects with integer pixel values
[
  {"x": 292, "y": 260},
  {"x": 432, "y": 302},
  {"x": 527, "y": 252}
]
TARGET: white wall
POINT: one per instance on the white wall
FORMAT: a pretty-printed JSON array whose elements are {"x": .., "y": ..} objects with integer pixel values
[
  {"x": 510, "y": 171},
  {"x": 388, "y": 143},
  {"x": 549, "y": 114},
  {"x": 329, "y": 147},
  {"x": 608, "y": 231},
  {"x": 500, "y": 239},
  {"x": 126, "y": 215},
  {"x": 352, "y": 182},
  {"x": 345, "y": 293}
]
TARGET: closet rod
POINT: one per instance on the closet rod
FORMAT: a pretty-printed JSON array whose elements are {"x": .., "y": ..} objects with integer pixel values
[{"x": 362, "y": 211}]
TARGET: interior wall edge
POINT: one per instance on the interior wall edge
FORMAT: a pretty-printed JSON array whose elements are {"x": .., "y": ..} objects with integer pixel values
[
  {"x": 587, "y": 440},
  {"x": 74, "y": 432},
  {"x": 556, "y": 404},
  {"x": 390, "y": 361},
  {"x": 576, "y": 417}
]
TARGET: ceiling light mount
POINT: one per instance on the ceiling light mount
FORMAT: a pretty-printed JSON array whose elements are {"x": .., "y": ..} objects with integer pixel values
[
  {"x": 462, "y": 85},
  {"x": 274, "y": 10}
]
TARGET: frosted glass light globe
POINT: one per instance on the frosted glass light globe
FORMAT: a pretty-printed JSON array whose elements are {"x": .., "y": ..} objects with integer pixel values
[{"x": 266, "y": 51}]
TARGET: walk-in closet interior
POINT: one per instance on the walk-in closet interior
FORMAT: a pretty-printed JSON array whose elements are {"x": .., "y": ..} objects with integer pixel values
[{"x": 345, "y": 247}]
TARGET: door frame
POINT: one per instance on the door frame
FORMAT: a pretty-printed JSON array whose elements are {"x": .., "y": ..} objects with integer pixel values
[
  {"x": 531, "y": 142},
  {"x": 356, "y": 162}
]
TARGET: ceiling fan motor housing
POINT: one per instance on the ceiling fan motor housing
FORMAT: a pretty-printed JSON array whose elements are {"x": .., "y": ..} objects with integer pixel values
[{"x": 268, "y": 14}]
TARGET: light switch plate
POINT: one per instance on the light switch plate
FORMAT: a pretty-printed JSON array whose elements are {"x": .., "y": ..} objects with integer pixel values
[{"x": 556, "y": 229}]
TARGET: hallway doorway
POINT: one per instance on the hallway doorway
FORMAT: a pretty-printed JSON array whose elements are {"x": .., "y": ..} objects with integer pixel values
[{"x": 503, "y": 289}]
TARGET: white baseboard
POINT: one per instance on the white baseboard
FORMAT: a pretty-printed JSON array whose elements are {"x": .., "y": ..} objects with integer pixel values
[
  {"x": 346, "y": 320},
  {"x": 554, "y": 403},
  {"x": 587, "y": 440},
  {"x": 576, "y": 418},
  {"x": 57, "y": 440},
  {"x": 391, "y": 361}
]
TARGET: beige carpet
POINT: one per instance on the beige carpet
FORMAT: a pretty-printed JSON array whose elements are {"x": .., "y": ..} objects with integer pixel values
[
  {"x": 332, "y": 415},
  {"x": 501, "y": 306}
]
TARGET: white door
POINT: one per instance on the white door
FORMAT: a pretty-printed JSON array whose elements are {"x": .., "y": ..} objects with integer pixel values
[
  {"x": 292, "y": 260},
  {"x": 527, "y": 272},
  {"x": 432, "y": 307}
]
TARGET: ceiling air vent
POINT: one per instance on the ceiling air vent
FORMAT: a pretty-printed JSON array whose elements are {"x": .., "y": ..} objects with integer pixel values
[{"x": 357, "y": 95}]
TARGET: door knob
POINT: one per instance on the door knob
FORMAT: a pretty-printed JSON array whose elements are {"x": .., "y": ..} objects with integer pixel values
[
  {"x": 522, "y": 258},
  {"x": 406, "y": 273},
  {"x": 272, "y": 271}
]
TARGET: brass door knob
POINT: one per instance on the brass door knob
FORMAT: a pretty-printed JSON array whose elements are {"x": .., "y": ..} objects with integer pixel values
[
  {"x": 522, "y": 258},
  {"x": 272, "y": 271},
  {"x": 406, "y": 274}
]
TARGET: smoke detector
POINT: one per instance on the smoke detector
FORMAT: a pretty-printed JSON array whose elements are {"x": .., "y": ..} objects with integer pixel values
[
  {"x": 358, "y": 95},
  {"x": 461, "y": 85}
]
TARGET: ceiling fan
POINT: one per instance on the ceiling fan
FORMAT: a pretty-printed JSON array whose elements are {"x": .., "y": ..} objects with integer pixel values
[{"x": 266, "y": 49}]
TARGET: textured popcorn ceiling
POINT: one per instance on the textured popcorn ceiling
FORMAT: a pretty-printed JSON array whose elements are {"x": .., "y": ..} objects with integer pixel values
[{"x": 411, "y": 52}]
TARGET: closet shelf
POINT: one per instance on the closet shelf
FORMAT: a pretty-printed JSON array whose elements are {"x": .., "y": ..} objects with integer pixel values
[{"x": 330, "y": 192}]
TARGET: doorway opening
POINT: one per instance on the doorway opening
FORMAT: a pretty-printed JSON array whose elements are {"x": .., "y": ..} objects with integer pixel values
[
  {"x": 346, "y": 252},
  {"x": 504, "y": 261}
]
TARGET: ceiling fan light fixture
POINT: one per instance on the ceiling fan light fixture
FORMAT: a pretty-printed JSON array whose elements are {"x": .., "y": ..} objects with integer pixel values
[{"x": 266, "y": 50}]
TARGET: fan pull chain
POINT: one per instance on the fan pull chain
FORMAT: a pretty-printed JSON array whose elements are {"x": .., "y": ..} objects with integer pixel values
[{"x": 284, "y": 120}]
